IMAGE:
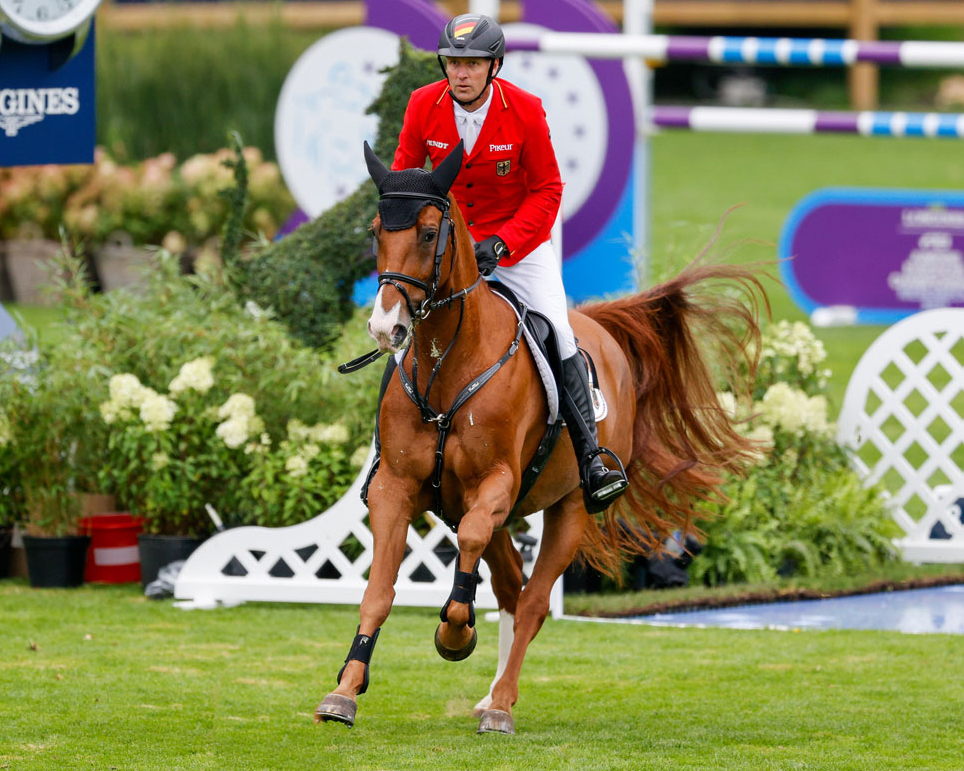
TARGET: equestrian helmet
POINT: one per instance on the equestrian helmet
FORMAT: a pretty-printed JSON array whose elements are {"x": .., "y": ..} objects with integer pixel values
[{"x": 472, "y": 35}]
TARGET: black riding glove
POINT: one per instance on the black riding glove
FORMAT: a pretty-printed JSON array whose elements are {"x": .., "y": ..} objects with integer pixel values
[{"x": 489, "y": 252}]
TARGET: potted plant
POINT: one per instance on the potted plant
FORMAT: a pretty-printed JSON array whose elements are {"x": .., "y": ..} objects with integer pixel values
[
  {"x": 47, "y": 458},
  {"x": 7, "y": 492},
  {"x": 170, "y": 453}
]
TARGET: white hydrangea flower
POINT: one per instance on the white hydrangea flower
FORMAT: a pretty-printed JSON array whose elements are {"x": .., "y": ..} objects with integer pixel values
[
  {"x": 197, "y": 375},
  {"x": 795, "y": 341},
  {"x": 762, "y": 434},
  {"x": 310, "y": 451},
  {"x": 784, "y": 406},
  {"x": 234, "y": 431},
  {"x": 157, "y": 411},
  {"x": 815, "y": 416},
  {"x": 296, "y": 466},
  {"x": 109, "y": 411},
  {"x": 727, "y": 403},
  {"x": 237, "y": 405},
  {"x": 359, "y": 457},
  {"x": 159, "y": 460},
  {"x": 297, "y": 431},
  {"x": 126, "y": 391},
  {"x": 333, "y": 434},
  {"x": 763, "y": 437}
]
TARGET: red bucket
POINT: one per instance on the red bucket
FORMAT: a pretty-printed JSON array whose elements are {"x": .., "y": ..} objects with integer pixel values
[{"x": 113, "y": 557}]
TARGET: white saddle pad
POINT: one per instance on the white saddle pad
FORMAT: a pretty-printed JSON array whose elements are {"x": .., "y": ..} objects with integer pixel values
[{"x": 600, "y": 408}]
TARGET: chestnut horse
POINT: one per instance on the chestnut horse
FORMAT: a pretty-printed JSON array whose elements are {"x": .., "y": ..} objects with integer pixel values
[{"x": 658, "y": 355}]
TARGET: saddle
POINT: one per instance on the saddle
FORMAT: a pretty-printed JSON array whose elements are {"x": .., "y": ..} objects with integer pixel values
[{"x": 540, "y": 334}]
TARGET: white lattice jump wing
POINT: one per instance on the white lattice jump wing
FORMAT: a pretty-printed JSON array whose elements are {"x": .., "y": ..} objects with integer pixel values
[
  {"x": 903, "y": 420},
  {"x": 326, "y": 560}
]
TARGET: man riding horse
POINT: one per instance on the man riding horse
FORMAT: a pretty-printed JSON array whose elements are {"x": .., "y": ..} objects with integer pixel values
[
  {"x": 509, "y": 192},
  {"x": 472, "y": 444}
]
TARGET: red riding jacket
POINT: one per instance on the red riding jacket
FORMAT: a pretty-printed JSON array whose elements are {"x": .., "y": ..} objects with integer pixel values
[{"x": 509, "y": 186}]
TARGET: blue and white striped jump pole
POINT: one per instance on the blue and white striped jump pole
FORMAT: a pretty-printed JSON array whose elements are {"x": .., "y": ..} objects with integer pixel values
[
  {"x": 723, "y": 49},
  {"x": 777, "y": 121}
]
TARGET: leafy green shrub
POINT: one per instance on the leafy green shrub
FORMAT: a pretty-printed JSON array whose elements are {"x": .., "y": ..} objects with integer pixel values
[
  {"x": 308, "y": 277},
  {"x": 300, "y": 477},
  {"x": 170, "y": 454},
  {"x": 150, "y": 335},
  {"x": 50, "y": 442},
  {"x": 801, "y": 509},
  {"x": 166, "y": 457}
]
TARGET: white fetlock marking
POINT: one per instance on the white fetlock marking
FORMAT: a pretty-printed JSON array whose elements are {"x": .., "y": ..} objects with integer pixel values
[{"x": 506, "y": 636}]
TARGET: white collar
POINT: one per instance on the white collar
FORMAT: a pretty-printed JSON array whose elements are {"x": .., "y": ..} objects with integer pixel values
[{"x": 478, "y": 116}]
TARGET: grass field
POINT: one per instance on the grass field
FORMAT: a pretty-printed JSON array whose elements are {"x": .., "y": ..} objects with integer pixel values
[{"x": 102, "y": 678}]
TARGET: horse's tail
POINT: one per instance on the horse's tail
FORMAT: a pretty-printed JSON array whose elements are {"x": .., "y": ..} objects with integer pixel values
[{"x": 684, "y": 339}]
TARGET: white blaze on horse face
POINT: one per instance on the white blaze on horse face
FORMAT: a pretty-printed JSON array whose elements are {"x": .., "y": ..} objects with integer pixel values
[{"x": 389, "y": 328}]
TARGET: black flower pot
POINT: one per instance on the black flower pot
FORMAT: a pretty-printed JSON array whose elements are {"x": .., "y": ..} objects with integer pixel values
[
  {"x": 56, "y": 561},
  {"x": 6, "y": 550},
  {"x": 160, "y": 550}
]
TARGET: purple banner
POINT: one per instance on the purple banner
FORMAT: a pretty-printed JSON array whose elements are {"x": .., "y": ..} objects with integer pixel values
[{"x": 885, "y": 254}]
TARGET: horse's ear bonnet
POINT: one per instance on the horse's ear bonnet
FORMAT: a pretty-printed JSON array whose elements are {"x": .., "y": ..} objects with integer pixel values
[{"x": 403, "y": 194}]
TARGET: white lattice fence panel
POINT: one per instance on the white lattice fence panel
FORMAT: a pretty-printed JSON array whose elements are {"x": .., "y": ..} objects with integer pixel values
[
  {"x": 326, "y": 560},
  {"x": 903, "y": 418}
]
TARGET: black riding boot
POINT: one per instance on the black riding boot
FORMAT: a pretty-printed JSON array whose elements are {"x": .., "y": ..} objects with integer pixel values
[
  {"x": 600, "y": 485},
  {"x": 386, "y": 379}
]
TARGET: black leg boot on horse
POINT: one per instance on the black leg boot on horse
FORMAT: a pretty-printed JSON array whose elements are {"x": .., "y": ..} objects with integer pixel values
[
  {"x": 463, "y": 591},
  {"x": 342, "y": 709},
  {"x": 600, "y": 485}
]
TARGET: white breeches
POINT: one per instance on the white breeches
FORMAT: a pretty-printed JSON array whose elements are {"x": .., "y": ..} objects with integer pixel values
[{"x": 537, "y": 281}]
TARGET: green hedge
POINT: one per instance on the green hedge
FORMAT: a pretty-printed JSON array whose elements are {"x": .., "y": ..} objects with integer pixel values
[{"x": 307, "y": 278}]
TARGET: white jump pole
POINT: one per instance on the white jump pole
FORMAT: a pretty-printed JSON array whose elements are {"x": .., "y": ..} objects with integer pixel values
[
  {"x": 638, "y": 21},
  {"x": 485, "y": 7},
  {"x": 725, "y": 49}
]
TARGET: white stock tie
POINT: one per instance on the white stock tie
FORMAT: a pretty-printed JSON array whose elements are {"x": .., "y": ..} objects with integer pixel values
[{"x": 469, "y": 126}]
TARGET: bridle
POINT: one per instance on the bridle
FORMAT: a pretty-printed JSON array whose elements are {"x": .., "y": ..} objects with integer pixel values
[{"x": 445, "y": 236}]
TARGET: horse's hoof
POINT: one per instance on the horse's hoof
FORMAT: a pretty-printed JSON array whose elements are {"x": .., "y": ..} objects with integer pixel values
[
  {"x": 455, "y": 655},
  {"x": 479, "y": 709},
  {"x": 340, "y": 709},
  {"x": 496, "y": 721}
]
